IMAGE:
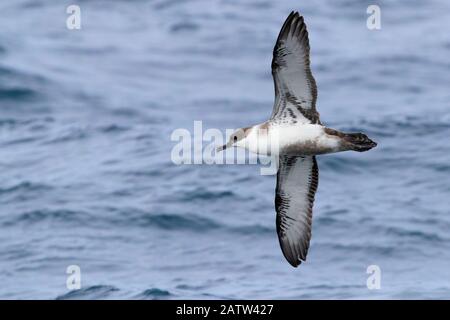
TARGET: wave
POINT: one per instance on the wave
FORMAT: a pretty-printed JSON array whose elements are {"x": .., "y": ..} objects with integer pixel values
[
  {"x": 15, "y": 94},
  {"x": 41, "y": 215},
  {"x": 165, "y": 221},
  {"x": 414, "y": 234},
  {"x": 24, "y": 187},
  {"x": 154, "y": 294},
  {"x": 132, "y": 219},
  {"x": 89, "y": 293},
  {"x": 17, "y": 86},
  {"x": 204, "y": 194}
]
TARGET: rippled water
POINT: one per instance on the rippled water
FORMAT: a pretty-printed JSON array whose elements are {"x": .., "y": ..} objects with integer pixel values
[{"x": 85, "y": 171}]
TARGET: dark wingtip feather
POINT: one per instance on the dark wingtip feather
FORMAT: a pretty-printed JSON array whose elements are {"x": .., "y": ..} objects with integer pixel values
[
  {"x": 295, "y": 262},
  {"x": 293, "y": 21},
  {"x": 293, "y": 254},
  {"x": 292, "y": 259}
]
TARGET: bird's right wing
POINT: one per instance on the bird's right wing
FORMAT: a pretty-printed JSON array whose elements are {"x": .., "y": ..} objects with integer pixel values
[
  {"x": 295, "y": 87},
  {"x": 297, "y": 181}
]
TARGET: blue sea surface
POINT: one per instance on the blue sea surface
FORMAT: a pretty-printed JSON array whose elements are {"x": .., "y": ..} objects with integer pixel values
[{"x": 86, "y": 176}]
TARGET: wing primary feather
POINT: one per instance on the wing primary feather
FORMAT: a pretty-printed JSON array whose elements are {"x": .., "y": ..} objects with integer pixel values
[
  {"x": 297, "y": 182},
  {"x": 295, "y": 86}
]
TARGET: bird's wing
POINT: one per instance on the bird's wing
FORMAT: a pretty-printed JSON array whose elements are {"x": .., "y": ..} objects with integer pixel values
[
  {"x": 297, "y": 181},
  {"x": 295, "y": 87}
]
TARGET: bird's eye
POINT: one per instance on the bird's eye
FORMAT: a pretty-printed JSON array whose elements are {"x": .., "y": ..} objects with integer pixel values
[{"x": 235, "y": 139}]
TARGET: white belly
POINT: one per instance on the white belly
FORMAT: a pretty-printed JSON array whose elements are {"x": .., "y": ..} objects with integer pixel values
[
  {"x": 305, "y": 139},
  {"x": 298, "y": 139}
]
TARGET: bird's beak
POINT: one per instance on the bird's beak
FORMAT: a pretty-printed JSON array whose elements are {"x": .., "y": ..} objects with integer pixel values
[
  {"x": 221, "y": 148},
  {"x": 225, "y": 146}
]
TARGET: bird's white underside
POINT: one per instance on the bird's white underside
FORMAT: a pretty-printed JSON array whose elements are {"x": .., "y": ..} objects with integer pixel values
[{"x": 275, "y": 138}]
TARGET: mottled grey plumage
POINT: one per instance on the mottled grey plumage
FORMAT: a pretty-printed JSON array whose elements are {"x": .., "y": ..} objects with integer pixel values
[
  {"x": 295, "y": 101},
  {"x": 297, "y": 181},
  {"x": 295, "y": 87}
]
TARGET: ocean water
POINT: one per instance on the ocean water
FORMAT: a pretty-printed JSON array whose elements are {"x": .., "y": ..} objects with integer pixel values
[{"x": 86, "y": 176}]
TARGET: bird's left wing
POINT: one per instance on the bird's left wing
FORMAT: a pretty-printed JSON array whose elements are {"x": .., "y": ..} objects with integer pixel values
[
  {"x": 295, "y": 87},
  {"x": 297, "y": 181}
]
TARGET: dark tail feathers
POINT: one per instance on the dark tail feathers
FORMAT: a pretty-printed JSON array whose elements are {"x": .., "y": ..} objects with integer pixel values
[{"x": 359, "y": 142}]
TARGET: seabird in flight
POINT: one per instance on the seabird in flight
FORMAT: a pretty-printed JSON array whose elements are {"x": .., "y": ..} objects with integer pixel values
[{"x": 300, "y": 136}]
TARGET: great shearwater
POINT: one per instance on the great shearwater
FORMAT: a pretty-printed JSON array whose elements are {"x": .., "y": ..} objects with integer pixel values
[{"x": 300, "y": 135}]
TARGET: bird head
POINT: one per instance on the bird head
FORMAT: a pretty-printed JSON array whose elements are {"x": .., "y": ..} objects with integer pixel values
[{"x": 237, "y": 139}]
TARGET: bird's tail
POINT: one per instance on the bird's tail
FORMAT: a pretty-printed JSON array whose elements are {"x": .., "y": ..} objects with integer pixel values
[{"x": 359, "y": 142}]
